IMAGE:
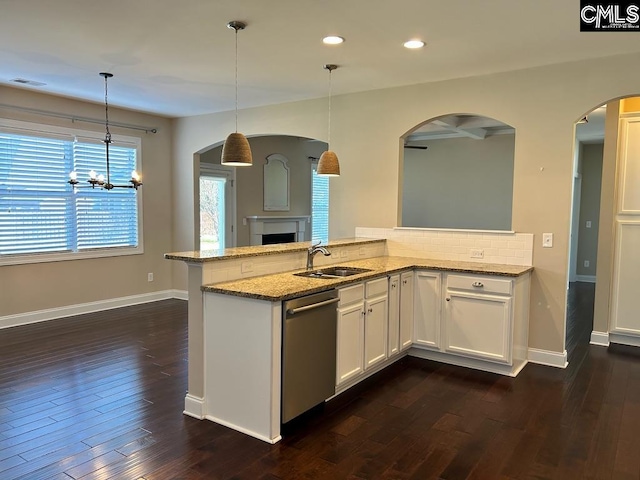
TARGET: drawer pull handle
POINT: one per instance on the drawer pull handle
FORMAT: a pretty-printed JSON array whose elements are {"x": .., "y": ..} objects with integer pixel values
[{"x": 477, "y": 284}]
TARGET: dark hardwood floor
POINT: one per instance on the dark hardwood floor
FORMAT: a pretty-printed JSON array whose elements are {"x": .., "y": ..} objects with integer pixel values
[{"x": 101, "y": 396}]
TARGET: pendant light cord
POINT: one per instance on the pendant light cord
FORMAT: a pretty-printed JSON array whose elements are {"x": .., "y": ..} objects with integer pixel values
[
  {"x": 107, "y": 137},
  {"x": 329, "y": 126},
  {"x": 236, "y": 79}
]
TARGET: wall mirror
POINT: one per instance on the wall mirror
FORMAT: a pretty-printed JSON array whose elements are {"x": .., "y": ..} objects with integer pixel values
[
  {"x": 457, "y": 173},
  {"x": 276, "y": 184}
]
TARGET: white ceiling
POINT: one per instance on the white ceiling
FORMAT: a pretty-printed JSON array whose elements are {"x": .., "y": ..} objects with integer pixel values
[{"x": 176, "y": 58}]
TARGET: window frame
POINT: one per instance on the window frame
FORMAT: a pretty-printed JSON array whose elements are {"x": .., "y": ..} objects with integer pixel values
[{"x": 18, "y": 127}]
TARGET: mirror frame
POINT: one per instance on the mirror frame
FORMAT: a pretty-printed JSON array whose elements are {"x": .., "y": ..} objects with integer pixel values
[{"x": 275, "y": 172}]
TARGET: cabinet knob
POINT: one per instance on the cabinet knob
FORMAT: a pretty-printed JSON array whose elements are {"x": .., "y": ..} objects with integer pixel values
[
  {"x": 393, "y": 285},
  {"x": 370, "y": 310},
  {"x": 477, "y": 284},
  {"x": 404, "y": 282},
  {"x": 448, "y": 299}
]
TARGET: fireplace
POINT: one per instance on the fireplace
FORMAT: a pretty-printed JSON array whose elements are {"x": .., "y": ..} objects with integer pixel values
[
  {"x": 271, "y": 238},
  {"x": 267, "y": 230}
]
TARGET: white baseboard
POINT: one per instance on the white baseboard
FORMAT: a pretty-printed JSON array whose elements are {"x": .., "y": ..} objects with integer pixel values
[
  {"x": 476, "y": 364},
  {"x": 180, "y": 294},
  {"x": 82, "y": 308},
  {"x": 194, "y": 406},
  {"x": 624, "y": 339},
  {"x": 251, "y": 433},
  {"x": 586, "y": 278},
  {"x": 599, "y": 338},
  {"x": 549, "y": 358}
]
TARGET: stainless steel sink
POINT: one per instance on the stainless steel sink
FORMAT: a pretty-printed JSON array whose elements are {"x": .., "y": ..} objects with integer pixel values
[{"x": 332, "y": 272}]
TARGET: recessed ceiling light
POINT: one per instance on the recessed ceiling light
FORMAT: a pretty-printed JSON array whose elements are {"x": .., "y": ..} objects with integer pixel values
[
  {"x": 414, "y": 44},
  {"x": 332, "y": 40}
]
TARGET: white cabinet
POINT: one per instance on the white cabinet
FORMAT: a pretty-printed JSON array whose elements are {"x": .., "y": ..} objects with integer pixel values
[
  {"x": 427, "y": 308},
  {"x": 362, "y": 328},
  {"x": 478, "y": 325},
  {"x": 393, "y": 346},
  {"x": 350, "y": 336},
  {"x": 406, "y": 310},
  {"x": 375, "y": 322}
]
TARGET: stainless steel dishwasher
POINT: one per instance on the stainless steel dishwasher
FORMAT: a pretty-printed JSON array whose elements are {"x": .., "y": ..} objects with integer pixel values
[{"x": 308, "y": 352}]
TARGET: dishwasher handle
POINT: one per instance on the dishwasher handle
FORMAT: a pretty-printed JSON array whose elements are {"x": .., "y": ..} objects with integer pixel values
[{"x": 293, "y": 311}]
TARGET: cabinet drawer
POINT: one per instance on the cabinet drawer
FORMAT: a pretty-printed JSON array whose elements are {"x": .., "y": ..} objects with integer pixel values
[
  {"x": 483, "y": 284},
  {"x": 376, "y": 287},
  {"x": 353, "y": 294}
]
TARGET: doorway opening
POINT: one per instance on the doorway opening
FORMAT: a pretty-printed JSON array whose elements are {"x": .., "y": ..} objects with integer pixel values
[{"x": 585, "y": 221}]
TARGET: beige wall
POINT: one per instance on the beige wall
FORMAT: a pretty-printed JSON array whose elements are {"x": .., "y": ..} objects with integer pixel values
[
  {"x": 249, "y": 187},
  {"x": 591, "y": 163},
  {"x": 39, "y": 286},
  {"x": 459, "y": 183},
  {"x": 542, "y": 104}
]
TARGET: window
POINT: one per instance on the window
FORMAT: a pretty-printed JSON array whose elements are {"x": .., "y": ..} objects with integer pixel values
[
  {"x": 319, "y": 206},
  {"x": 42, "y": 217}
]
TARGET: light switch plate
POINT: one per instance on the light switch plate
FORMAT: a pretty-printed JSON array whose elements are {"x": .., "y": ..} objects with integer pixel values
[
  {"x": 588, "y": 224},
  {"x": 477, "y": 253},
  {"x": 547, "y": 240}
]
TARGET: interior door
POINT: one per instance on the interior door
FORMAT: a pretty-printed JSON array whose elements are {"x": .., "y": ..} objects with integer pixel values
[{"x": 217, "y": 207}]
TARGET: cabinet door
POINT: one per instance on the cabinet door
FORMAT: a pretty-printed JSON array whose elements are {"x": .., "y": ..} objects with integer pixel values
[
  {"x": 406, "y": 310},
  {"x": 375, "y": 330},
  {"x": 394, "y": 315},
  {"x": 478, "y": 326},
  {"x": 427, "y": 308},
  {"x": 350, "y": 342}
]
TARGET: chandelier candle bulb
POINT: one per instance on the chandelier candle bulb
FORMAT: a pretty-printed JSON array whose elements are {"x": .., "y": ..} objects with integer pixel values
[
  {"x": 73, "y": 176},
  {"x": 92, "y": 174}
]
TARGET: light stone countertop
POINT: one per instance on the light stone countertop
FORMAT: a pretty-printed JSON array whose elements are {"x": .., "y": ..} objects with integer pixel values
[
  {"x": 203, "y": 256},
  {"x": 284, "y": 286}
]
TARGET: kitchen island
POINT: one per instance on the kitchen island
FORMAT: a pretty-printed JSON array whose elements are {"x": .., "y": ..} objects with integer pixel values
[{"x": 241, "y": 329}]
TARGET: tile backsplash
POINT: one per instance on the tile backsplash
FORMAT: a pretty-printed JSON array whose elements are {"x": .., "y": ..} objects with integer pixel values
[
  {"x": 488, "y": 247},
  {"x": 233, "y": 269}
]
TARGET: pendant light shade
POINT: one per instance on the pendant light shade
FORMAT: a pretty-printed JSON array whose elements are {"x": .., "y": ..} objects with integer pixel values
[
  {"x": 328, "y": 165},
  {"x": 236, "y": 151}
]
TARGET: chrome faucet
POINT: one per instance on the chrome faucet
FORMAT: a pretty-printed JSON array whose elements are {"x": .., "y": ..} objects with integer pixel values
[{"x": 312, "y": 250}]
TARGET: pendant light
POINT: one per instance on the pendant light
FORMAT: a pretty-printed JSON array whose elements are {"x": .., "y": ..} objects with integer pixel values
[
  {"x": 99, "y": 180},
  {"x": 328, "y": 164},
  {"x": 236, "y": 151}
]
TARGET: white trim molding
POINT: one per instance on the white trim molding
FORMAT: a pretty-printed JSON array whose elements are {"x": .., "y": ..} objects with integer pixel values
[
  {"x": 82, "y": 308},
  {"x": 599, "y": 338},
  {"x": 194, "y": 406},
  {"x": 624, "y": 339},
  {"x": 180, "y": 294},
  {"x": 586, "y": 278},
  {"x": 549, "y": 358}
]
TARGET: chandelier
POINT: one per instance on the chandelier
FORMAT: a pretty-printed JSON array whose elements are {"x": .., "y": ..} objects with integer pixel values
[{"x": 99, "y": 180}]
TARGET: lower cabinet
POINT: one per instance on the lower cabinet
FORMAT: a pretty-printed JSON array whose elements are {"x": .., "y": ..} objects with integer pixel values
[
  {"x": 479, "y": 321},
  {"x": 478, "y": 325},
  {"x": 393, "y": 345},
  {"x": 406, "y": 309},
  {"x": 350, "y": 336},
  {"x": 427, "y": 309},
  {"x": 362, "y": 328}
]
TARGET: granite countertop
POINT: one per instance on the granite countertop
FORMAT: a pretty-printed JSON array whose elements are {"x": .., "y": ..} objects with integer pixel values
[
  {"x": 284, "y": 286},
  {"x": 260, "y": 250}
]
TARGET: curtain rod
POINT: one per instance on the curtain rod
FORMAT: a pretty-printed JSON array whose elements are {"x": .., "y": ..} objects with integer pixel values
[{"x": 75, "y": 118}]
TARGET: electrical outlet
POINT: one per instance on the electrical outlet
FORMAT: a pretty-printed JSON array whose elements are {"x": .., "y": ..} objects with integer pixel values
[
  {"x": 149, "y": 277},
  {"x": 477, "y": 253},
  {"x": 246, "y": 267},
  {"x": 343, "y": 253},
  {"x": 547, "y": 240},
  {"x": 586, "y": 264},
  {"x": 588, "y": 224}
]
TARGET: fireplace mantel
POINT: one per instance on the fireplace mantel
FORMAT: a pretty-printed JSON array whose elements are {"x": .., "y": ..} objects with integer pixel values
[{"x": 264, "y": 225}]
